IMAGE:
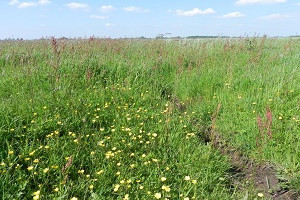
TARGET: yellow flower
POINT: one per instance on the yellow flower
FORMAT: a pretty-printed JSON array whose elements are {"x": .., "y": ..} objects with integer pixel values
[
  {"x": 36, "y": 197},
  {"x": 37, "y": 193},
  {"x": 99, "y": 172},
  {"x": 186, "y": 198},
  {"x": 166, "y": 188},
  {"x": 91, "y": 187},
  {"x": 157, "y": 195},
  {"x": 80, "y": 171},
  {"x": 36, "y": 160},
  {"x": 74, "y": 198},
  {"x": 163, "y": 179},
  {"x": 194, "y": 181},
  {"x": 10, "y": 152},
  {"x": 116, "y": 188},
  {"x": 126, "y": 197},
  {"x": 187, "y": 178},
  {"x": 30, "y": 168},
  {"x": 46, "y": 170},
  {"x": 260, "y": 195},
  {"x": 56, "y": 189}
]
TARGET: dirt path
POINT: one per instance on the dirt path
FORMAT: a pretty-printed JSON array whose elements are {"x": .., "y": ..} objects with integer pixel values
[{"x": 263, "y": 176}]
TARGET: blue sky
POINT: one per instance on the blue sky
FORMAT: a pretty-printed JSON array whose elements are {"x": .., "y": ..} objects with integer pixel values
[{"x": 32, "y": 19}]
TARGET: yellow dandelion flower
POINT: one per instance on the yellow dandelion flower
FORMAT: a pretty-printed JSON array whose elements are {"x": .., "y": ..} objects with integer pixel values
[
  {"x": 30, "y": 168},
  {"x": 157, "y": 195},
  {"x": 91, "y": 187},
  {"x": 37, "y": 193},
  {"x": 194, "y": 181},
  {"x": 56, "y": 189},
  {"x": 187, "y": 178},
  {"x": 46, "y": 170},
  {"x": 163, "y": 179},
  {"x": 74, "y": 198},
  {"x": 116, "y": 188},
  {"x": 261, "y": 195},
  {"x": 126, "y": 197},
  {"x": 99, "y": 172},
  {"x": 10, "y": 152},
  {"x": 166, "y": 188}
]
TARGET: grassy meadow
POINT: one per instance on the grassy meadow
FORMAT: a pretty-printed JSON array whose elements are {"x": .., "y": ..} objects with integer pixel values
[{"x": 130, "y": 119}]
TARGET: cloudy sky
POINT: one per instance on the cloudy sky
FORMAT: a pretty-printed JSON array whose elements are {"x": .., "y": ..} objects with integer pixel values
[{"x": 133, "y": 18}]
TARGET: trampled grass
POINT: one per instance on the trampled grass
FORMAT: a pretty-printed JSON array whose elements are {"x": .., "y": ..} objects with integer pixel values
[{"x": 127, "y": 119}]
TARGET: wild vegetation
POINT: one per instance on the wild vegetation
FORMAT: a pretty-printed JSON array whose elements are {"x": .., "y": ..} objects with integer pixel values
[{"x": 136, "y": 119}]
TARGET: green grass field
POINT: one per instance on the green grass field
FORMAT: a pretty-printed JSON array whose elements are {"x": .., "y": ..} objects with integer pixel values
[{"x": 129, "y": 119}]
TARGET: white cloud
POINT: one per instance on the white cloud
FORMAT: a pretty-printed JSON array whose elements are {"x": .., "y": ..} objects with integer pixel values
[
  {"x": 107, "y": 8},
  {"x": 135, "y": 9},
  {"x": 27, "y": 4},
  {"x": 109, "y": 25},
  {"x": 13, "y": 2},
  {"x": 245, "y": 2},
  {"x": 75, "y": 5},
  {"x": 43, "y": 2},
  {"x": 195, "y": 11},
  {"x": 98, "y": 17},
  {"x": 233, "y": 15},
  {"x": 274, "y": 16}
]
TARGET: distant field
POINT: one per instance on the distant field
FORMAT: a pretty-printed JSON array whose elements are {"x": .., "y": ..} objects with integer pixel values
[{"x": 138, "y": 119}]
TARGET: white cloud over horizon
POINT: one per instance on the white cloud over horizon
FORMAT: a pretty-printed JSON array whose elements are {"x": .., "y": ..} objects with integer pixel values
[
  {"x": 28, "y": 4},
  {"x": 44, "y": 2},
  {"x": 247, "y": 2},
  {"x": 107, "y": 8},
  {"x": 74, "y": 5},
  {"x": 195, "y": 11},
  {"x": 13, "y": 2},
  {"x": 135, "y": 9},
  {"x": 233, "y": 15}
]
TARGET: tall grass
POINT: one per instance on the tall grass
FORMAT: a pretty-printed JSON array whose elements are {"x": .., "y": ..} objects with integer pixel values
[{"x": 117, "y": 119}]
